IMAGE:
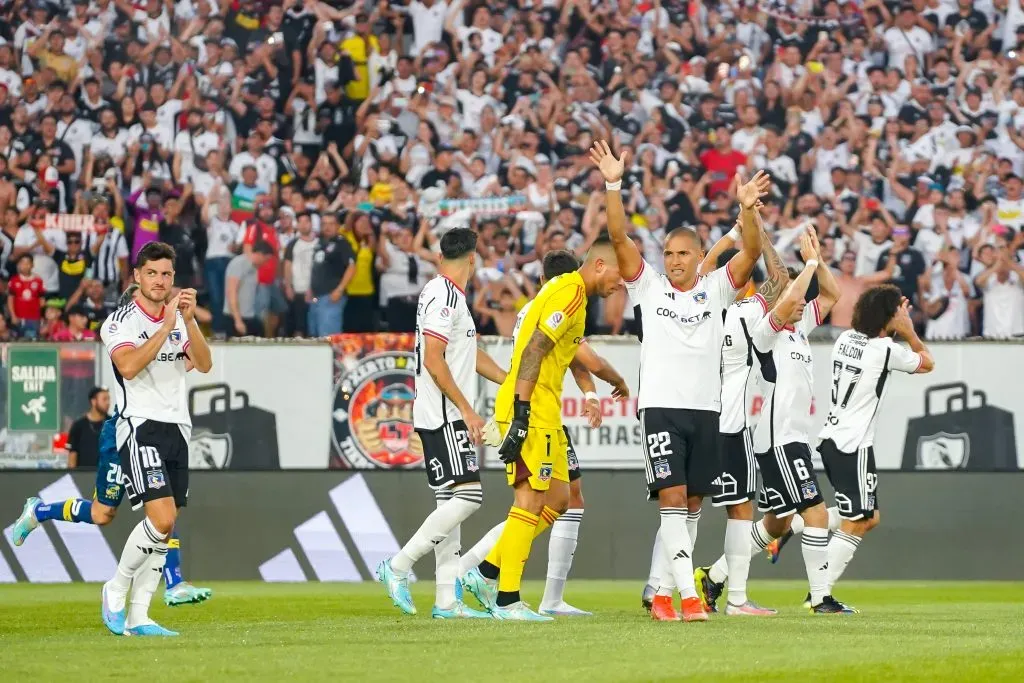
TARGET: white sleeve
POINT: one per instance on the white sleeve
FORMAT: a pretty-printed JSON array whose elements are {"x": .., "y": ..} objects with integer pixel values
[
  {"x": 645, "y": 280},
  {"x": 721, "y": 285},
  {"x": 121, "y": 250},
  {"x": 118, "y": 334},
  {"x": 812, "y": 317},
  {"x": 903, "y": 359},
  {"x": 765, "y": 334},
  {"x": 437, "y": 319},
  {"x": 753, "y": 309}
]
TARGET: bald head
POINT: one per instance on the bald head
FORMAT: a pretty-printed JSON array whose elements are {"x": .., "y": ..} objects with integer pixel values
[
  {"x": 683, "y": 252},
  {"x": 688, "y": 234}
]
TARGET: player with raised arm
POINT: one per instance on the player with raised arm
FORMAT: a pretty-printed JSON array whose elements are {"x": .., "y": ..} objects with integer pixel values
[
  {"x": 680, "y": 381},
  {"x": 781, "y": 438},
  {"x": 862, "y": 360},
  {"x": 528, "y": 413},
  {"x": 151, "y": 342},
  {"x": 565, "y": 530},
  {"x": 739, "y": 471},
  {"x": 101, "y": 510},
  {"x": 447, "y": 362}
]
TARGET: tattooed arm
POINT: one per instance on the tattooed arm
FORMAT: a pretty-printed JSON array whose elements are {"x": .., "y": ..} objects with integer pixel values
[
  {"x": 778, "y": 276},
  {"x": 530, "y": 361}
]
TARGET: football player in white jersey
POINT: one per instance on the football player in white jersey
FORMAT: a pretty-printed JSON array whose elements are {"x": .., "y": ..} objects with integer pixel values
[
  {"x": 680, "y": 372},
  {"x": 152, "y": 342},
  {"x": 739, "y": 471},
  {"x": 565, "y": 529},
  {"x": 447, "y": 362},
  {"x": 781, "y": 439},
  {"x": 862, "y": 360}
]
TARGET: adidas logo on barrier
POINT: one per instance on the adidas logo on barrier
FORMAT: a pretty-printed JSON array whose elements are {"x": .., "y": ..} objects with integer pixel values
[
  {"x": 322, "y": 546},
  {"x": 40, "y": 559}
]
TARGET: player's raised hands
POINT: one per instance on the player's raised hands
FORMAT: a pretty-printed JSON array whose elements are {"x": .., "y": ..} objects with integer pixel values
[
  {"x": 807, "y": 251},
  {"x": 171, "y": 312},
  {"x": 187, "y": 304},
  {"x": 611, "y": 168},
  {"x": 902, "y": 322},
  {"x": 750, "y": 192}
]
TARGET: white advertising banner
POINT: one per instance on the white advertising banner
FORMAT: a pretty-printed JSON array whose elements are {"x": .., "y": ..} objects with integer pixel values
[
  {"x": 960, "y": 416},
  {"x": 262, "y": 406}
]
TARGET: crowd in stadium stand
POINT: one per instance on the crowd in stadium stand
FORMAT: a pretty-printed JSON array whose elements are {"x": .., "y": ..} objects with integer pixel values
[{"x": 303, "y": 158}]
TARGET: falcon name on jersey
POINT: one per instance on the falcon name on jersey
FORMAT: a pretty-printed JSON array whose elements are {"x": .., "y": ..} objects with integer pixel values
[
  {"x": 788, "y": 372},
  {"x": 442, "y": 313},
  {"x": 683, "y": 332},
  {"x": 738, "y": 361},
  {"x": 860, "y": 371},
  {"x": 158, "y": 392}
]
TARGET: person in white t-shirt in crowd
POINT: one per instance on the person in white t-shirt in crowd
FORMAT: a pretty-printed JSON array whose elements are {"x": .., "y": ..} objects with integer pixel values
[
  {"x": 869, "y": 244},
  {"x": 220, "y": 239},
  {"x": 253, "y": 155},
  {"x": 298, "y": 273},
  {"x": 1002, "y": 289},
  {"x": 945, "y": 292}
]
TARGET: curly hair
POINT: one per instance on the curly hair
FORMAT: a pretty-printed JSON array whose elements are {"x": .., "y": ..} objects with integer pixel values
[{"x": 875, "y": 309}]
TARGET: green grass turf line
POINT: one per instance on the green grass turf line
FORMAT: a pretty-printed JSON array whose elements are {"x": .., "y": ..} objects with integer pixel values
[{"x": 250, "y": 631}]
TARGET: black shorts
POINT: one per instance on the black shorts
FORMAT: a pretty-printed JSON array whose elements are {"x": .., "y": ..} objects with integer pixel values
[
  {"x": 154, "y": 460},
  {"x": 738, "y": 480},
  {"x": 854, "y": 478},
  {"x": 788, "y": 481},
  {"x": 574, "y": 462},
  {"x": 449, "y": 455},
  {"x": 681, "y": 448}
]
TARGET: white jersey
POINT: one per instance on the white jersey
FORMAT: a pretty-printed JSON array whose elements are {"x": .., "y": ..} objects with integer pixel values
[
  {"x": 738, "y": 361},
  {"x": 681, "y": 351},
  {"x": 860, "y": 373},
  {"x": 788, "y": 373},
  {"x": 442, "y": 313},
  {"x": 158, "y": 392}
]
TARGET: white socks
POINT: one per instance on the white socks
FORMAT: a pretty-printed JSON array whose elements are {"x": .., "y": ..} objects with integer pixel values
[
  {"x": 478, "y": 553},
  {"x": 814, "y": 545},
  {"x": 144, "y": 584},
  {"x": 840, "y": 551},
  {"x": 677, "y": 549},
  {"x": 797, "y": 526},
  {"x": 143, "y": 541},
  {"x": 564, "y": 534},
  {"x": 737, "y": 557},
  {"x": 446, "y": 558},
  {"x": 661, "y": 569},
  {"x": 437, "y": 526},
  {"x": 692, "y": 519}
]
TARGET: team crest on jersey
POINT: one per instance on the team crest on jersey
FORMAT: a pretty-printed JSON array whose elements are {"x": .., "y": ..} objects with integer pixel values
[
  {"x": 472, "y": 465},
  {"x": 373, "y": 412},
  {"x": 808, "y": 489},
  {"x": 574, "y": 462},
  {"x": 155, "y": 479},
  {"x": 113, "y": 491},
  {"x": 445, "y": 312},
  {"x": 700, "y": 297},
  {"x": 943, "y": 451},
  {"x": 662, "y": 469},
  {"x": 545, "y": 472},
  {"x": 174, "y": 337}
]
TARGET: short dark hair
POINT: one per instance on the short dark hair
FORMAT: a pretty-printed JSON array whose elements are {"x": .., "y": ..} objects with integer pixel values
[
  {"x": 154, "y": 251},
  {"x": 26, "y": 255},
  {"x": 262, "y": 247},
  {"x": 875, "y": 309},
  {"x": 559, "y": 262},
  {"x": 812, "y": 288},
  {"x": 96, "y": 391},
  {"x": 458, "y": 243}
]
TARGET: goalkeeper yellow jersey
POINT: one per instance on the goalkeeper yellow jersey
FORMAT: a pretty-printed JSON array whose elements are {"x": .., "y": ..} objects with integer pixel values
[{"x": 559, "y": 311}]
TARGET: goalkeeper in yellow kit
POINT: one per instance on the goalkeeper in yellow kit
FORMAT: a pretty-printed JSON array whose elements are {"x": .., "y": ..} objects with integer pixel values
[{"x": 528, "y": 414}]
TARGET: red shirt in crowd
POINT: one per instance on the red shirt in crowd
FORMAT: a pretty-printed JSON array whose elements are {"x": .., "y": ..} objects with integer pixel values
[
  {"x": 258, "y": 230},
  {"x": 26, "y": 292},
  {"x": 722, "y": 166},
  {"x": 64, "y": 334}
]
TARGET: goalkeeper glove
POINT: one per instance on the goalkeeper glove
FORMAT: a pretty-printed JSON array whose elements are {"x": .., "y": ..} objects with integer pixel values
[{"x": 512, "y": 444}]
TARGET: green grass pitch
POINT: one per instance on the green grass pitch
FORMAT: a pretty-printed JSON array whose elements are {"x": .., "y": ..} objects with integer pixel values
[{"x": 338, "y": 632}]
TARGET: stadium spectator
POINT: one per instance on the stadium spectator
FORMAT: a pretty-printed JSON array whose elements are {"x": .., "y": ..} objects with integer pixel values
[
  {"x": 84, "y": 434},
  {"x": 888, "y": 128},
  {"x": 241, "y": 290}
]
